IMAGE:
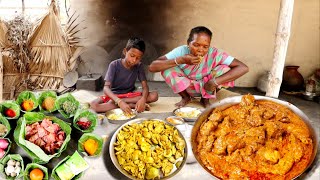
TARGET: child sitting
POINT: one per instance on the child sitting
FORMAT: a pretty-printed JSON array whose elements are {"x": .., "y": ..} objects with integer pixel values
[{"x": 120, "y": 82}]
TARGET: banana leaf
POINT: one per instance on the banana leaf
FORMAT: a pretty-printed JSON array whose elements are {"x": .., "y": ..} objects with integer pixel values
[
  {"x": 90, "y": 115},
  {"x": 67, "y": 105},
  {"x": 3, "y": 163},
  {"x": 10, "y": 105},
  {"x": 8, "y": 148},
  {"x": 43, "y": 96},
  {"x": 27, "y": 95},
  {"x": 6, "y": 123},
  {"x": 34, "y": 151},
  {"x": 54, "y": 174},
  {"x": 32, "y": 166},
  {"x": 87, "y": 136}
]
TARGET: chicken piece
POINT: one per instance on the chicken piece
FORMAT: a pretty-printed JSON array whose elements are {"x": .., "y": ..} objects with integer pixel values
[
  {"x": 267, "y": 114},
  {"x": 207, "y": 127},
  {"x": 42, "y": 132},
  {"x": 30, "y": 131},
  {"x": 33, "y": 138},
  {"x": 234, "y": 143},
  {"x": 224, "y": 128},
  {"x": 256, "y": 135},
  {"x": 39, "y": 142},
  {"x": 269, "y": 155},
  {"x": 274, "y": 129},
  {"x": 295, "y": 148},
  {"x": 61, "y": 135},
  {"x": 209, "y": 143},
  {"x": 282, "y": 116},
  {"x": 46, "y": 123},
  {"x": 255, "y": 118},
  {"x": 247, "y": 100},
  {"x": 50, "y": 138},
  {"x": 216, "y": 116},
  {"x": 284, "y": 165},
  {"x": 220, "y": 146},
  {"x": 300, "y": 132},
  {"x": 234, "y": 157}
]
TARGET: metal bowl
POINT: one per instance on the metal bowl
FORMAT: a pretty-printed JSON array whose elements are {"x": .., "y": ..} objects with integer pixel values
[
  {"x": 227, "y": 102},
  {"x": 114, "y": 158},
  {"x": 119, "y": 112},
  {"x": 186, "y": 110}
]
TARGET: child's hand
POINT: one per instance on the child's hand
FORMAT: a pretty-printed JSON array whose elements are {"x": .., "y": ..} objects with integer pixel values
[
  {"x": 141, "y": 105},
  {"x": 125, "y": 107}
]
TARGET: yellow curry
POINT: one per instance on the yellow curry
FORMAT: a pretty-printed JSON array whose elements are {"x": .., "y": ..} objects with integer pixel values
[{"x": 256, "y": 139}]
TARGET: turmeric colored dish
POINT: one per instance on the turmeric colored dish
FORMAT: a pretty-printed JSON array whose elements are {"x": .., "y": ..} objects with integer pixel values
[{"x": 255, "y": 139}]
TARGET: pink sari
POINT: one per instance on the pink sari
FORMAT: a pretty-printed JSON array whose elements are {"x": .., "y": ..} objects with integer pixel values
[{"x": 193, "y": 77}]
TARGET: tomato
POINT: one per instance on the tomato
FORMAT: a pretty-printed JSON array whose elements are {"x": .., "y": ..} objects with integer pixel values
[
  {"x": 36, "y": 174},
  {"x": 10, "y": 113}
]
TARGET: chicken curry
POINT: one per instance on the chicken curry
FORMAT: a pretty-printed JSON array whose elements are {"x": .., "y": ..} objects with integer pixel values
[{"x": 255, "y": 139}]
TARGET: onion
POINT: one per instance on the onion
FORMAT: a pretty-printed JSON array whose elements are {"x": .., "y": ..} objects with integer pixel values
[
  {"x": 2, "y": 152},
  {"x": 3, "y": 144}
]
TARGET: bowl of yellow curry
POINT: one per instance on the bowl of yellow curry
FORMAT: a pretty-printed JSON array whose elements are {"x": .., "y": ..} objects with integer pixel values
[
  {"x": 148, "y": 149},
  {"x": 256, "y": 137}
]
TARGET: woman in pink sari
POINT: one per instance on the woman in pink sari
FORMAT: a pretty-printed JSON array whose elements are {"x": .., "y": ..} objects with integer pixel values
[{"x": 197, "y": 68}]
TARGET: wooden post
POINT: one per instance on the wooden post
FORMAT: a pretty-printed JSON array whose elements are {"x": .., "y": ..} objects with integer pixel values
[
  {"x": 280, "y": 49},
  {"x": 1, "y": 76}
]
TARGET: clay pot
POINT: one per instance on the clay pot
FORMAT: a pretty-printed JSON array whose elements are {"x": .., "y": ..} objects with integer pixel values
[{"x": 292, "y": 79}]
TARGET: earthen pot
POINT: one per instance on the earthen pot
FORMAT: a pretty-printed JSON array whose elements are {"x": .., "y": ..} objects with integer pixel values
[{"x": 292, "y": 79}]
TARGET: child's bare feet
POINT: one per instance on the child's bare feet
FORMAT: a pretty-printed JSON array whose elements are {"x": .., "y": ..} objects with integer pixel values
[
  {"x": 184, "y": 101},
  {"x": 205, "y": 102}
]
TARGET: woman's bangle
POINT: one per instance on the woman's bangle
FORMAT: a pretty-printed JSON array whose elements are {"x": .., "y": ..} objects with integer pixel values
[
  {"x": 117, "y": 101},
  {"x": 214, "y": 81},
  {"x": 175, "y": 60}
]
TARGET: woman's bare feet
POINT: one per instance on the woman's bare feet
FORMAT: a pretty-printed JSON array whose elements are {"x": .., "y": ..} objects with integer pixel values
[
  {"x": 205, "y": 102},
  {"x": 184, "y": 101}
]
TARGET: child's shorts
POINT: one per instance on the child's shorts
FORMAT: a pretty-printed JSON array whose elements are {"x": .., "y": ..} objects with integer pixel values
[{"x": 127, "y": 95}]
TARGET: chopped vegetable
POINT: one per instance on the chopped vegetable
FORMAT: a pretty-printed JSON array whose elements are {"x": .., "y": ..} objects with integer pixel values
[
  {"x": 91, "y": 146},
  {"x": 36, "y": 174},
  {"x": 12, "y": 168},
  {"x": 2, "y": 153},
  {"x": 27, "y": 105},
  {"x": 3, "y": 130},
  {"x": 84, "y": 123},
  {"x": 27, "y": 100},
  {"x": 48, "y": 103},
  {"x": 69, "y": 107},
  {"x": 9, "y": 113},
  {"x": 4, "y": 144}
]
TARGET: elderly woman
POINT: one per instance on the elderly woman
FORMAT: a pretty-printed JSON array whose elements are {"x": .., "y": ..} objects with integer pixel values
[{"x": 197, "y": 68}]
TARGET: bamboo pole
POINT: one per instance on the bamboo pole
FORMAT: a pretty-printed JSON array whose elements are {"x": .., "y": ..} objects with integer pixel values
[{"x": 280, "y": 49}]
